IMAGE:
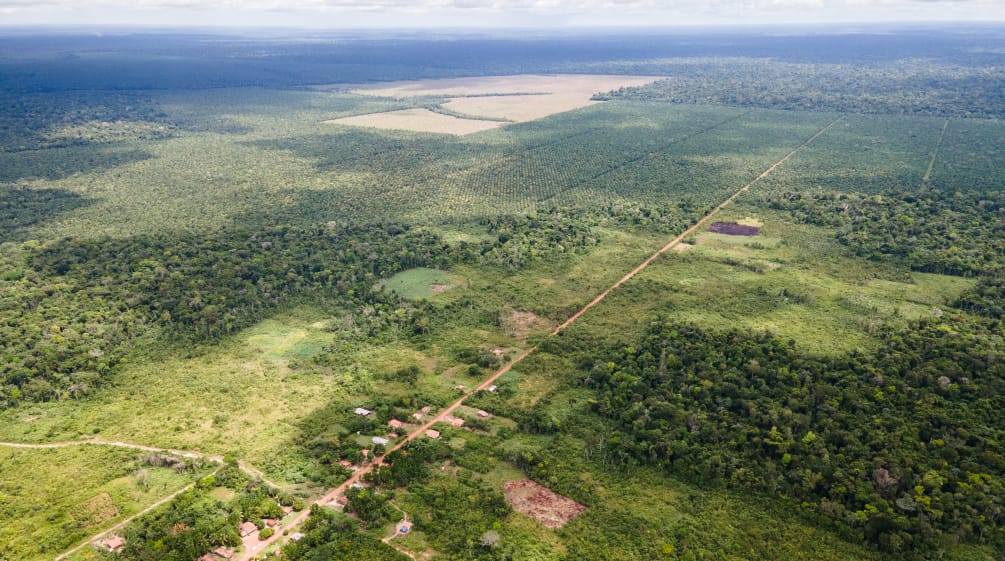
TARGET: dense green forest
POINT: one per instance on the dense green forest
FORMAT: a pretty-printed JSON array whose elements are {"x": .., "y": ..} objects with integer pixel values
[
  {"x": 930, "y": 230},
  {"x": 917, "y": 87},
  {"x": 896, "y": 449}
]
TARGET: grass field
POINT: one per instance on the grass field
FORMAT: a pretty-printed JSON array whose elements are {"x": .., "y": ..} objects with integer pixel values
[
  {"x": 237, "y": 396},
  {"x": 414, "y": 284},
  {"x": 51, "y": 499},
  {"x": 793, "y": 280}
]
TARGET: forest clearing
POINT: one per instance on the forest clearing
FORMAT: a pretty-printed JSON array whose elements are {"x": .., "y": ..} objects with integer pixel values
[{"x": 484, "y": 102}]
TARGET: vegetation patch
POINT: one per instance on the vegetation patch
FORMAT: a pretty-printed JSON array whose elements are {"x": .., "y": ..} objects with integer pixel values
[
  {"x": 421, "y": 282},
  {"x": 51, "y": 499}
]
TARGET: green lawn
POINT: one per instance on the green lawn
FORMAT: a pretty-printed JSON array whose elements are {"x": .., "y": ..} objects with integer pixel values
[{"x": 421, "y": 282}]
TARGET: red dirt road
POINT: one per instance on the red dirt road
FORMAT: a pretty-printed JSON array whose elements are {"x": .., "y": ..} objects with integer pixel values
[{"x": 418, "y": 432}]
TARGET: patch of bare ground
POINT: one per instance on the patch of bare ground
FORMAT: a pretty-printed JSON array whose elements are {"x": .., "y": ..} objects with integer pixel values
[
  {"x": 518, "y": 99},
  {"x": 521, "y": 324},
  {"x": 682, "y": 246},
  {"x": 733, "y": 229},
  {"x": 541, "y": 503},
  {"x": 419, "y": 120}
]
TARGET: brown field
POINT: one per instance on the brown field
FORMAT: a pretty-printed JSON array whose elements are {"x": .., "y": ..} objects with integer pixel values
[
  {"x": 733, "y": 229},
  {"x": 521, "y": 324},
  {"x": 516, "y": 98},
  {"x": 541, "y": 503},
  {"x": 419, "y": 120}
]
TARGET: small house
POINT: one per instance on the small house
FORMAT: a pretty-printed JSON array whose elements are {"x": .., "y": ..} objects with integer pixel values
[
  {"x": 454, "y": 421},
  {"x": 425, "y": 410},
  {"x": 223, "y": 552},
  {"x": 432, "y": 433},
  {"x": 247, "y": 528},
  {"x": 343, "y": 500},
  {"x": 459, "y": 387},
  {"x": 392, "y": 435},
  {"x": 270, "y": 522},
  {"x": 362, "y": 412},
  {"x": 404, "y": 528},
  {"x": 365, "y": 453},
  {"x": 345, "y": 463},
  {"x": 484, "y": 414},
  {"x": 417, "y": 416},
  {"x": 287, "y": 510},
  {"x": 113, "y": 543},
  {"x": 493, "y": 388},
  {"x": 297, "y": 536},
  {"x": 380, "y": 441},
  {"x": 395, "y": 424}
]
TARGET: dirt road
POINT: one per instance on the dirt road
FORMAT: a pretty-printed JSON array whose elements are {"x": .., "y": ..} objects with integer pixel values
[{"x": 420, "y": 431}]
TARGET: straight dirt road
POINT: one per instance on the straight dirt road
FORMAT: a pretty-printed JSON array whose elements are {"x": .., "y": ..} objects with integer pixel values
[
  {"x": 440, "y": 417},
  {"x": 485, "y": 384}
]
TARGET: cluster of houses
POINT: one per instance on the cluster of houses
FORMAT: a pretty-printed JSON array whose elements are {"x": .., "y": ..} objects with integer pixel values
[
  {"x": 417, "y": 417},
  {"x": 219, "y": 554}
]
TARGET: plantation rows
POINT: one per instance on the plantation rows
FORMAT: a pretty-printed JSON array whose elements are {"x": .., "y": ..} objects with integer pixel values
[{"x": 268, "y": 157}]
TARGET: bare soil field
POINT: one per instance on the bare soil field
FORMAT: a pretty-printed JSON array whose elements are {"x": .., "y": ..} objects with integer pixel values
[
  {"x": 540, "y": 503},
  {"x": 419, "y": 120},
  {"x": 518, "y": 99},
  {"x": 733, "y": 229},
  {"x": 521, "y": 324}
]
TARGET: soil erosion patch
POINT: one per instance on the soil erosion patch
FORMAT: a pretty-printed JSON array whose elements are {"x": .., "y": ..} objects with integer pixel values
[{"x": 541, "y": 503}]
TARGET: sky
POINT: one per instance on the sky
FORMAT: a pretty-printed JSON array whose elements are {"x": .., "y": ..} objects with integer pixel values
[{"x": 342, "y": 14}]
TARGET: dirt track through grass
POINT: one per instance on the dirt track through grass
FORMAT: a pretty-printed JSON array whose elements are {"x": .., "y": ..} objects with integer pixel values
[
  {"x": 254, "y": 473},
  {"x": 123, "y": 523}
]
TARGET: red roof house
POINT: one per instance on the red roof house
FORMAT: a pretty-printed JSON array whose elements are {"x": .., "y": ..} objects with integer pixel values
[{"x": 247, "y": 528}]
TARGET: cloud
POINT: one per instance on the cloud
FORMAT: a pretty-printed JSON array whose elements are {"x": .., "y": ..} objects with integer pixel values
[{"x": 321, "y": 13}]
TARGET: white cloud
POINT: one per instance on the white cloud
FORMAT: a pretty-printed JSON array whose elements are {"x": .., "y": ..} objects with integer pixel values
[{"x": 346, "y": 13}]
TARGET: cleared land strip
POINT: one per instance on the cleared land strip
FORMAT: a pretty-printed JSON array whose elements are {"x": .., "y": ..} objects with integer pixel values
[
  {"x": 935, "y": 152},
  {"x": 379, "y": 461},
  {"x": 118, "y": 444}
]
